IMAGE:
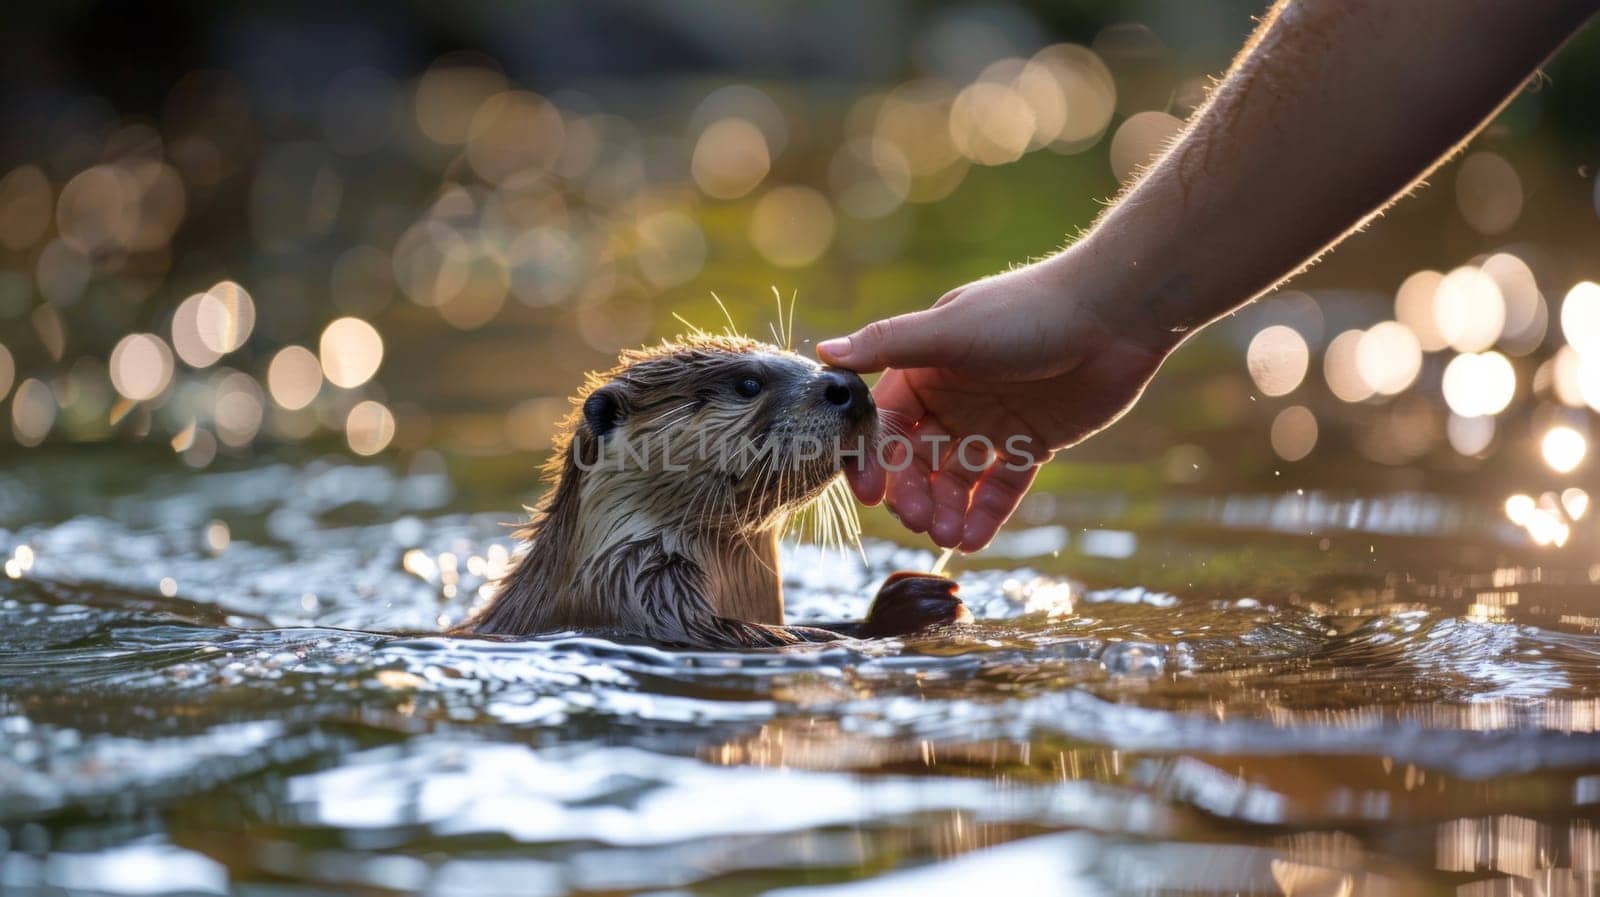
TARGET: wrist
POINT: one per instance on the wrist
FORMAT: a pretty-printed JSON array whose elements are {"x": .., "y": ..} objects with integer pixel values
[{"x": 1133, "y": 302}]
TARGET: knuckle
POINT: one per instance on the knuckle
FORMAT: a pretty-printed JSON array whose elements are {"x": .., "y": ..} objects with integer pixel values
[{"x": 879, "y": 332}]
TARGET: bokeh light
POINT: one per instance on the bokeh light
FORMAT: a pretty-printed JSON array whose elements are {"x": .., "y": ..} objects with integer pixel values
[
  {"x": 1488, "y": 192},
  {"x": 350, "y": 351},
  {"x": 1589, "y": 380},
  {"x": 449, "y": 94},
  {"x": 25, "y": 206},
  {"x": 870, "y": 178},
  {"x": 1546, "y": 518},
  {"x": 1468, "y": 310},
  {"x": 746, "y": 102},
  {"x": 1479, "y": 384},
  {"x": 1141, "y": 63},
  {"x": 1563, "y": 448},
  {"x": 1040, "y": 87},
  {"x": 369, "y": 427},
  {"x": 1547, "y": 528},
  {"x": 990, "y": 123},
  {"x": 1526, "y": 314},
  {"x": 98, "y": 210},
  {"x": 294, "y": 377},
  {"x": 1580, "y": 317},
  {"x": 1277, "y": 359},
  {"x": 1389, "y": 357},
  {"x": 239, "y": 409},
  {"x": 195, "y": 445},
  {"x": 1566, "y": 377},
  {"x": 1341, "y": 369},
  {"x": 63, "y": 273},
  {"x": 186, "y": 339},
  {"x": 33, "y": 412},
  {"x": 547, "y": 266},
  {"x": 1575, "y": 502},
  {"x": 8, "y": 371},
  {"x": 914, "y": 119},
  {"x": 730, "y": 158},
  {"x": 141, "y": 366},
  {"x": 1088, "y": 91},
  {"x": 512, "y": 132},
  {"x": 1139, "y": 140},
  {"x": 1519, "y": 508},
  {"x": 1413, "y": 307},
  {"x": 479, "y": 292},
  {"x": 456, "y": 188},
  {"x": 1470, "y": 436},
  {"x": 225, "y": 317},
  {"x": 1294, "y": 433},
  {"x": 792, "y": 226}
]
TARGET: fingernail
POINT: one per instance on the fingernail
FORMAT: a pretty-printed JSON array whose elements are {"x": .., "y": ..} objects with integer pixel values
[{"x": 838, "y": 347}]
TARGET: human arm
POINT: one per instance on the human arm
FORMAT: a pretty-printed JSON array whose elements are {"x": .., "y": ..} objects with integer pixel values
[{"x": 1334, "y": 109}]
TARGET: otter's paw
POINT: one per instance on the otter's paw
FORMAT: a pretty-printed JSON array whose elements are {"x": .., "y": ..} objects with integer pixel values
[{"x": 908, "y": 602}]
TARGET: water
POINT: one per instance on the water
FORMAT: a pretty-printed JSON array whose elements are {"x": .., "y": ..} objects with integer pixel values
[{"x": 229, "y": 682}]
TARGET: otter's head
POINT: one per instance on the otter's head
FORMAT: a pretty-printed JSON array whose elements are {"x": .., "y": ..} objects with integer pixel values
[{"x": 721, "y": 431}]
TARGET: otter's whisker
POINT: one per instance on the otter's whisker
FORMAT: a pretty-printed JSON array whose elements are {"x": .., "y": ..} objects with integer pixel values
[
  {"x": 789, "y": 340},
  {"x": 733, "y": 329},
  {"x": 745, "y": 538},
  {"x": 826, "y": 523},
  {"x": 660, "y": 424},
  {"x": 891, "y": 416},
  {"x": 661, "y": 419},
  {"x": 849, "y": 516},
  {"x": 893, "y": 429},
  {"x": 769, "y": 472},
  {"x": 695, "y": 330},
  {"x": 784, "y": 333}
]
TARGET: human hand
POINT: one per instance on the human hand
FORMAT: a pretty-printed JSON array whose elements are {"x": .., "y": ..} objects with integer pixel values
[{"x": 1018, "y": 363}]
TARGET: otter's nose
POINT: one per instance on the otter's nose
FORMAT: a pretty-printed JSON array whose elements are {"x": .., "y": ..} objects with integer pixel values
[{"x": 847, "y": 392}]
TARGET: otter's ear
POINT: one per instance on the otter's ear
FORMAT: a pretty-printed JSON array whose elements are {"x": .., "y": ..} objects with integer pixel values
[{"x": 602, "y": 410}]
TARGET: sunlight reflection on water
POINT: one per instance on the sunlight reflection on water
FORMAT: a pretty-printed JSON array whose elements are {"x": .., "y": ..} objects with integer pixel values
[{"x": 1103, "y": 737}]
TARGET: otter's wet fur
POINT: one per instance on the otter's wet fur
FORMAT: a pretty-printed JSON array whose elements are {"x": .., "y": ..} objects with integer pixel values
[{"x": 682, "y": 549}]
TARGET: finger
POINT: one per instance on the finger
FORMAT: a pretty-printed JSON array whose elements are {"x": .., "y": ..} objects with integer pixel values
[
  {"x": 950, "y": 297},
  {"x": 931, "y": 452},
  {"x": 907, "y": 498},
  {"x": 994, "y": 501},
  {"x": 918, "y": 454},
  {"x": 951, "y": 494},
  {"x": 899, "y": 407},
  {"x": 916, "y": 340},
  {"x": 908, "y": 494},
  {"x": 951, "y": 490},
  {"x": 907, "y": 479}
]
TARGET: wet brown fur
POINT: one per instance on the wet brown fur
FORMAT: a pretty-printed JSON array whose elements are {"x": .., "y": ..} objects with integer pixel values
[{"x": 685, "y": 558}]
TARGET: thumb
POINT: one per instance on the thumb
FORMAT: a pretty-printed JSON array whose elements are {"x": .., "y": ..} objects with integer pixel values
[{"x": 921, "y": 339}]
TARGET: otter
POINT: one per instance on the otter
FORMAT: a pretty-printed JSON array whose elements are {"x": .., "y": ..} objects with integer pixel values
[{"x": 670, "y": 484}]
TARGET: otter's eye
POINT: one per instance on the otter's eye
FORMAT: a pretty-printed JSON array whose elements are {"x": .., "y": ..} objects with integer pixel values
[{"x": 748, "y": 387}]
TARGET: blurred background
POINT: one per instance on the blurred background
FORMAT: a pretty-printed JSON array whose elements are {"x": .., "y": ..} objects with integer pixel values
[{"x": 406, "y": 229}]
